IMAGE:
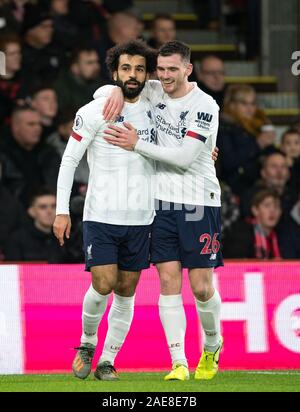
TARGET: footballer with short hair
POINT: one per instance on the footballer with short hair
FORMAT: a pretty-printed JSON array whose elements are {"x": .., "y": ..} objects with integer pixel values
[{"x": 187, "y": 227}]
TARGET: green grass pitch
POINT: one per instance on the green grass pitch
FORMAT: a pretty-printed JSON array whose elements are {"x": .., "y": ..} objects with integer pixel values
[{"x": 226, "y": 381}]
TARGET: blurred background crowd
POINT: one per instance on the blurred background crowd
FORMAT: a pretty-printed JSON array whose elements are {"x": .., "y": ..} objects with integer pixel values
[{"x": 55, "y": 59}]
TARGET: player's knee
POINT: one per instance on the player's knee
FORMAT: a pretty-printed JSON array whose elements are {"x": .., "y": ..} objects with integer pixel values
[
  {"x": 201, "y": 291},
  {"x": 103, "y": 285},
  {"x": 125, "y": 289},
  {"x": 170, "y": 283}
]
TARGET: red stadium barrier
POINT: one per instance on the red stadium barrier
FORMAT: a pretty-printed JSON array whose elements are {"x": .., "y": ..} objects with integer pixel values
[{"x": 40, "y": 318}]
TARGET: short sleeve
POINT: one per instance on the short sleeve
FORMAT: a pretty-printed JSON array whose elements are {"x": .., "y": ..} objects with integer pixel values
[
  {"x": 204, "y": 122},
  {"x": 87, "y": 122}
]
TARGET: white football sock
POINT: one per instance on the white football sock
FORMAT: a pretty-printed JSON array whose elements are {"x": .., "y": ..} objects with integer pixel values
[
  {"x": 209, "y": 314},
  {"x": 94, "y": 306},
  {"x": 172, "y": 316},
  {"x": 119, "y": 322}
]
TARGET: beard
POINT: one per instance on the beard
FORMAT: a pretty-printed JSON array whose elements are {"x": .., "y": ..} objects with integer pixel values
[{"x": 128, "y": 92}]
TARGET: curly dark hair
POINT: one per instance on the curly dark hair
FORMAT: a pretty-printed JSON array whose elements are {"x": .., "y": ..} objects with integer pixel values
[
  {"x": 175, "y": 47},
  {"x": 133, "y": 48}
]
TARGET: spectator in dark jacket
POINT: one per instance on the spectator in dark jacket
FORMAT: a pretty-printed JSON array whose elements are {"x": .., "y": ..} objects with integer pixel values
[
  {"x": 208, "y": 12},
  {"x": 229, "y": 208},
  {"x": 59, "y": 140},
  {"x": 65, "y": 31},
  {"x": 12, "y": 14},
  {"x": 89, "y": 17},
  {"x": 75, "y": 87},
  {"x": 42, "y": 59},
  {"x": 12, "y": 215},
  {"x": 274, "y": 175},
  {"x": 121, "y": 27},
  {"x": 290, "y": 146},
  {"x": 35, "y": 241},
  {"x": 239, "y": 138},
  {"x": 290, "y": 233},
  {"x": 11, "y": 81},
  {"x": 210, "y": 75},
  {"x": 257, "y": 239},
  {"x": 163, "y": 29},
  {"x": 44, "y": 101},
  {"x": 28, "y": 163}
]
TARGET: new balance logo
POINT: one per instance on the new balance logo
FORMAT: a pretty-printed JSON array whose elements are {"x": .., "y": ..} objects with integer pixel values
[
  {"x": 213, "y": 256},
  {"x": 206, "y": 117},
  {"x": 120, "y": 119},
  {"x": 161, "y": 106}
]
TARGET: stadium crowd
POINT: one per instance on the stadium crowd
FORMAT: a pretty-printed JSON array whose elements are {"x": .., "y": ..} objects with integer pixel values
[{"x": 55, "y": 54}]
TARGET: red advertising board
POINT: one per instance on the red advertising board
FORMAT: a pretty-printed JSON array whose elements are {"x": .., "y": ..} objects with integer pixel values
[{"x": 260, "y": 318}]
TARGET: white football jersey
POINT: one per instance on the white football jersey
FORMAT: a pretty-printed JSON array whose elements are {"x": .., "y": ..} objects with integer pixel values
[
  {"x": 195, "y": 115},
  {"x": 120, "y": 186}
]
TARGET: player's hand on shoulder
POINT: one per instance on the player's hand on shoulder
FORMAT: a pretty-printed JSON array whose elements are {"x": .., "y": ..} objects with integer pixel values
[
  {"x": 113, "y": 105},
  {"x": 62, "y": 228}
]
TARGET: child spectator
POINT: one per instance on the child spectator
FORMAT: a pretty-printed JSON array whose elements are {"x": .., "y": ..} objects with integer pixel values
[
  {"x": 275, "y": 175},
  {"x": 257, "y": 239},
  {"x": 290, "y": 146}
]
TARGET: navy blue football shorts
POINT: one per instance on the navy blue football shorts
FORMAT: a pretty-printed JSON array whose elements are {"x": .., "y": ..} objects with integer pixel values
[
  {"x": 189, "y": 234},
  {"x": 126, "y": 246}
]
